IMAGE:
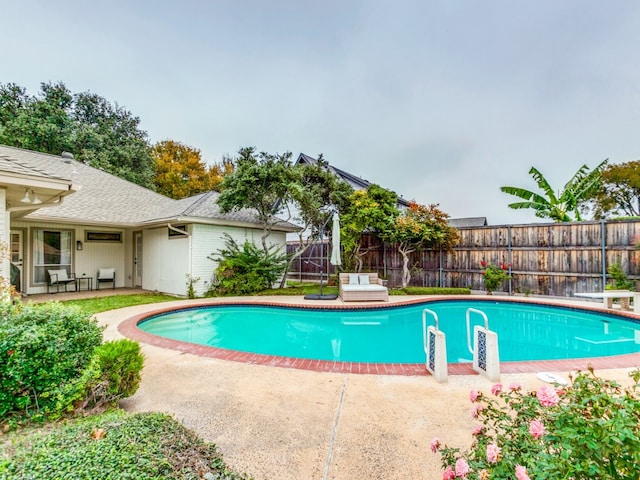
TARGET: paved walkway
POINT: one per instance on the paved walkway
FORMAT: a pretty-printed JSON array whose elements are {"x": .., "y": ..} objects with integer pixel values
[{"x": 279, "y": 423}]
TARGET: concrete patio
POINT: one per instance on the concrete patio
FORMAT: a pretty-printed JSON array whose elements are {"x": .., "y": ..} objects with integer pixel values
[{"x": 279, "y": 423}]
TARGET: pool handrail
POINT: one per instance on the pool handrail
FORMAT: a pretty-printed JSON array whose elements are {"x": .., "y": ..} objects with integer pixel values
[{"x": 486, "y": 325}]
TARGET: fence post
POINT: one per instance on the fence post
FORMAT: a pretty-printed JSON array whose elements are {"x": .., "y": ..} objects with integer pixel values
[
  {"x": 509, "y": 257},
  {"x": 441, "y": 280},
  {"x": 604, "y": 253}
]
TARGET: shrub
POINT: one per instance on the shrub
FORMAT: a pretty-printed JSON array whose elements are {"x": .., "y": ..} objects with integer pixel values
[
  {"x": 113, "y": 446},
  {"x": 114, "y": 373},
  {"x": 435, "y": 291},
  {"x": 620, "y": 279},
  {"x": 247, "y": 269},
  {"x": 588, "y": 430},
  {"x": 43, "y": 348},
  {"x": 494, "y": 275}
]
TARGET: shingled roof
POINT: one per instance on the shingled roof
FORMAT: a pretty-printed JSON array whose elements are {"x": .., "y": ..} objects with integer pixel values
[
  {"x": 104, "y": 199},
  {"x": 356, "y": 182}
]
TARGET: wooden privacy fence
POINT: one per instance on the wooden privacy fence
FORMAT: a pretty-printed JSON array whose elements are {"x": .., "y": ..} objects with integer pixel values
[{"x": 546, "y": 259}]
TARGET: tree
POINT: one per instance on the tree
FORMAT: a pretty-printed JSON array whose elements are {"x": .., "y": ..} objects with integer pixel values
[
  {"x": 95, "y": 131},
  {"x": 619, "y": 193},
  {"x": 373, "y": 210},
  {"x": 260, "y": 182},
  {"x": 417, "y": 228},
  {"x": 180, "y": 171},
  {"x": 558, "y": 208},
  {"x": 315, "y": 192}
]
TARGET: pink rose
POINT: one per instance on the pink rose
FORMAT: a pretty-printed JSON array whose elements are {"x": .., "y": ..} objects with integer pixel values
[
  {"x": 493, "y": 453},
  {"x": 435, "y": 444},
  {"x": 462, "y": 468},
  {"x": 515, "y": 386},
  {"x": 448, "y": 474},
  {"x": 536, "y": 428},
  {"x": 521, "y": 473},
  {"x": 473, "y": 395},
  {"x": 496, "y": 389},
  {"x": 477, "y": 408},
  {"x": 478, "y": 430},
  {"x": 547, "y": 396}
]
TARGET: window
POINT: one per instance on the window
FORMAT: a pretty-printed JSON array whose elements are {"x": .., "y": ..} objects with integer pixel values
[
  {"x": 175, "y": 231},
  {"x": 51, "y": 250},
  {"x": 103, "y": 237}
]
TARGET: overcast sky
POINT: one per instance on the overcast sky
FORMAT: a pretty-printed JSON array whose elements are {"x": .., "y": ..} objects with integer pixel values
[{"x": 440, "y": 101}]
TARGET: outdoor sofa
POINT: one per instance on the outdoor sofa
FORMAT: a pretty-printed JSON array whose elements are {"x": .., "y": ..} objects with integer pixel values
[{"x": 360, "y": 287}]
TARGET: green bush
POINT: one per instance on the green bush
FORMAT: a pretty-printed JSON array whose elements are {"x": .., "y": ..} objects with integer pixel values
[
  {"x": 435, "y": 291},
  {"x": 114, "y": 446},
  {"x": 248, "y": 269},
  {"x": 114, "y": 373},
  {"x": 620, "y": 279},
  {"x": 44, "y": 350}
]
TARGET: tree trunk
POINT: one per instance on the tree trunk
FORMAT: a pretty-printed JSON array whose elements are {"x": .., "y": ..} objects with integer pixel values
[{"x": 406, "y": 274}]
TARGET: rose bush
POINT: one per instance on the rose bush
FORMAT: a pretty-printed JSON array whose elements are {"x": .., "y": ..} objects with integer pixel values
[
  {"x": 588, "y": 430},
  {"x": 494, "y": 275}
]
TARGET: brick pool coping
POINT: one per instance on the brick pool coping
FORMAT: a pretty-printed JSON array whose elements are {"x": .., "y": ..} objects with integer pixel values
[{"x": 129, "y": 328}]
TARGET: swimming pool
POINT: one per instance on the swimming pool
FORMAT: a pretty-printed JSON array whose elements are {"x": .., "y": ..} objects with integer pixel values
[{"x": 526, "y": 331}]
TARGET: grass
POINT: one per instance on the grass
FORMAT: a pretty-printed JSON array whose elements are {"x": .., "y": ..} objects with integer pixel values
[{"x": 102, "y": 304}]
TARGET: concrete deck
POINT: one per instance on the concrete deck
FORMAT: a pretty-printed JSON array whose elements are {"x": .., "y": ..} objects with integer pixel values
[{"x": 283, "y": 423}]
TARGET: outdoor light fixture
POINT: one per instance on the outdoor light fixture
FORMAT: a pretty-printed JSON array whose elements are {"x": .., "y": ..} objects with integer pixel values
[
  {"x": 27, "y": 197},
  {"x": 78, "y": 245}
]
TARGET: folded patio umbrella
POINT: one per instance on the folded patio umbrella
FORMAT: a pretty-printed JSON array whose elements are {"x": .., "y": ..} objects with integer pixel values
[{"x": 335, "y": 241}]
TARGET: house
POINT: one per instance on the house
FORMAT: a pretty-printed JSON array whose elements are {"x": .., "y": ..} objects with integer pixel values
[
  {"x": 63, "y": 214},
  {"x": 356, "y": 182}
]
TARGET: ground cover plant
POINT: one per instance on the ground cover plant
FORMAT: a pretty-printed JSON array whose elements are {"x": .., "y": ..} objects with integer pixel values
[
  {"x": 586, "y": 430},
  {"x": 113, "y": 446}
]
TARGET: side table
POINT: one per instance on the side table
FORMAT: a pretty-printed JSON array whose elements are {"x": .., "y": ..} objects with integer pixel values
[{"x": 89, "y": 281}]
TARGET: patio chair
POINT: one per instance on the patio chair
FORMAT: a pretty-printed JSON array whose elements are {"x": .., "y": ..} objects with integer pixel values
[
  {"x": 106, "y": 275},
  {"x": 60, "y": 277}
]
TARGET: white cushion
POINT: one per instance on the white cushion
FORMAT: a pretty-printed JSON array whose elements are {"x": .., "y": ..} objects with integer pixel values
[
  {"x": 353, "y": 279},
  {"x": 106, "y": 272},
  {"x": 364, "y": 279},
  {"x": 58, "y": 275},
  {"x": 363, "y": 288}
]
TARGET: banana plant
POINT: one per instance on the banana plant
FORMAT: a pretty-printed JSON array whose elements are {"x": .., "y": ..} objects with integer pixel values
[{"x": 558, "y": 207}]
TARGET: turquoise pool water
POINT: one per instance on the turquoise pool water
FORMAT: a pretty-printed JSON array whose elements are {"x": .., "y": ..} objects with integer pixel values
[{"x": 394, "y": 334}]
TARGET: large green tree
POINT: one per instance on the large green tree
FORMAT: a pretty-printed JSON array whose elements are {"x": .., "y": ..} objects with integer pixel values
[
  {"x": 569, "y": 201},
  {"x": 373, "y": 210},
  {"x": 315, "y": 193},
  {"x": 619, "y": 193},
  {"x": 102, "y": 134},
  {"x": 180, "y": 171},
  {"x": 417, "y": 228},
  {"x": 262, "y": 182}
]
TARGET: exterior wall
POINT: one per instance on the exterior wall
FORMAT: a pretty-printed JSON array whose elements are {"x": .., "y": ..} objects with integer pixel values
[
  {"x": 165, "y": 261},
  {"x": 93, "y": 256},
  {"x": 207, "y": 240},
  {"x": 4, "y": 233}
]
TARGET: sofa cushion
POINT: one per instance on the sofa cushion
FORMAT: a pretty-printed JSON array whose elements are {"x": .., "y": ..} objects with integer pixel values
[
  {"x": 364, "y": 279},
  {"x": 353, "y": 279},
  {"x": 363, "y": 288}
]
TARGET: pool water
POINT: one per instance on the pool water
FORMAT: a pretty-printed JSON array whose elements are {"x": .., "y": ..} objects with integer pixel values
[{"x": 394, "y": 334}]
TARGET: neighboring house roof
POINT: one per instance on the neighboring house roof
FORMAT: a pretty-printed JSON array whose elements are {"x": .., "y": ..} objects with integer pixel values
[
  {"x": 356, "y": 182},
  {"x": 104, "y": 199},
  {"x": 468, "y": 222}
]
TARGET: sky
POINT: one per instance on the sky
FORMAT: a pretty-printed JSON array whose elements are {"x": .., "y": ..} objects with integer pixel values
[{"x": 440, "y": 101}]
